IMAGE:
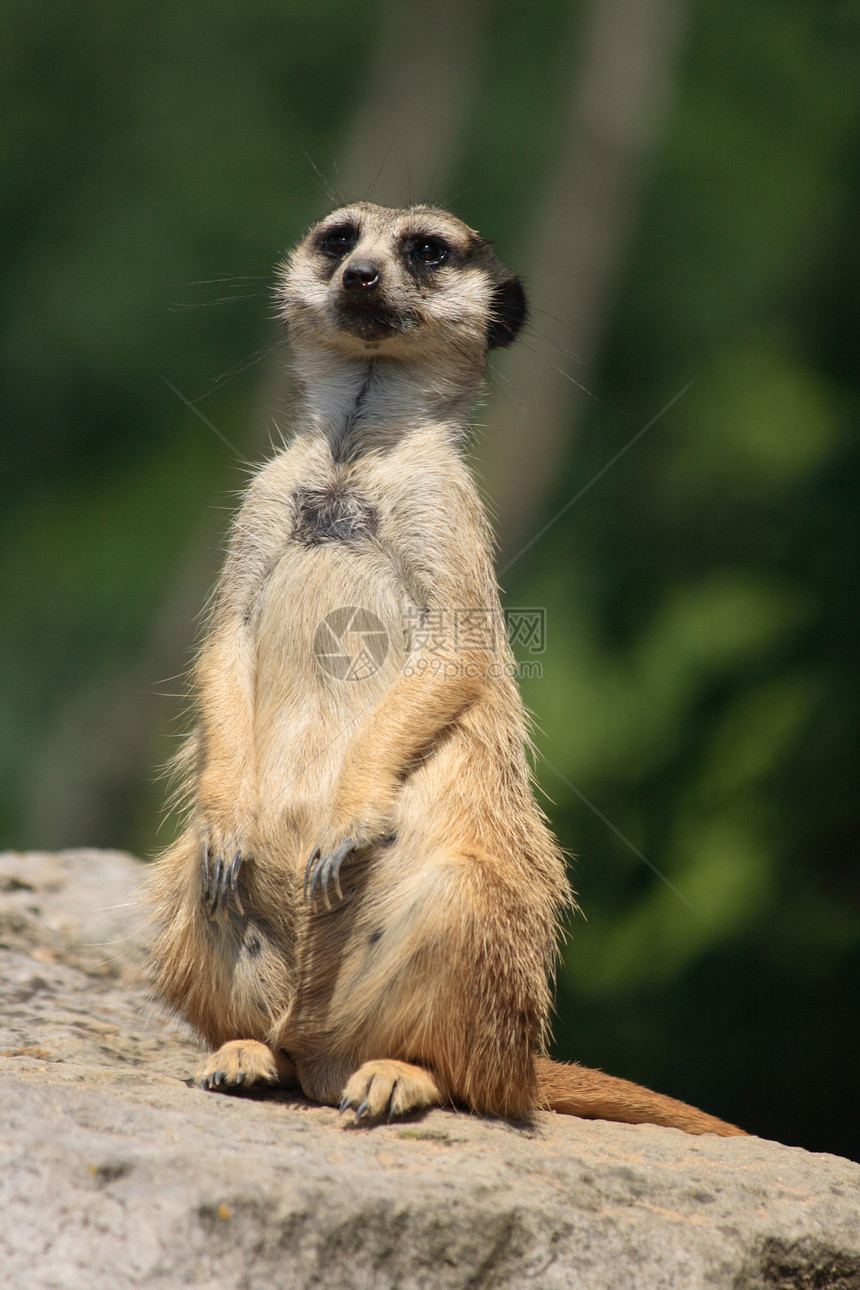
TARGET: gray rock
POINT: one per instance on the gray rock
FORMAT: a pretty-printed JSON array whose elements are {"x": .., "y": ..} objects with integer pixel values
[{"x": 118, "y": 1173}]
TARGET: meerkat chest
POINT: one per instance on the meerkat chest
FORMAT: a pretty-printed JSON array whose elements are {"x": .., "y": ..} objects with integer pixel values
[
  {"x": 328, "y": 627},
  {"x": 358, "y": 527},
  {"x": 334, "y": 513},
  {"x": 341, "y": 552}
]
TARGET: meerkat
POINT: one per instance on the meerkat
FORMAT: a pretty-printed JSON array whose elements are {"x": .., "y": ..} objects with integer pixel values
[{"x": 366, "y": 897}]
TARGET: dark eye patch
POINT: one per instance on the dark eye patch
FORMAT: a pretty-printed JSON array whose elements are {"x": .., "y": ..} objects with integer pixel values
[
  {"x": 335, "y": 243},
  {"x": 427, "y": 252}
]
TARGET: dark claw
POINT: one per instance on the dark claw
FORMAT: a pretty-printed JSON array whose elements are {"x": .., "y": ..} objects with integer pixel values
[
  {"x": 321, "y": 869},
  {"x": 315, "y": 855},
  {"x": 361, "y": 1109},
  {"x": 343, "y": 1105},
  {"x": 233, "y": 878},
  {"x": 215, "y": 888},
  {"x": 221, "y": 883}
]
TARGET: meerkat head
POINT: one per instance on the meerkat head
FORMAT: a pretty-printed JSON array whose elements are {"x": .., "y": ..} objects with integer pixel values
[{"x": 401, "y": 284}]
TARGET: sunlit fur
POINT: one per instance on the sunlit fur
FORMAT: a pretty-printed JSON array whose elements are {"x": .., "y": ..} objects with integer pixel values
[{"x": 428, "y": 981}]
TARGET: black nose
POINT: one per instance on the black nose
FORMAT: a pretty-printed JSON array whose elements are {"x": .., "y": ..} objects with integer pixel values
[{"x": 361, "y": 275}]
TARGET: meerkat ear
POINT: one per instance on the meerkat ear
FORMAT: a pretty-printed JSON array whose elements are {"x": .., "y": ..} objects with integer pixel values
[{"x": 508, "y": 311}]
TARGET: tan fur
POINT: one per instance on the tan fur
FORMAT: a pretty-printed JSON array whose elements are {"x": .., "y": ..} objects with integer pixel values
[{"x": 416, "y": 971}]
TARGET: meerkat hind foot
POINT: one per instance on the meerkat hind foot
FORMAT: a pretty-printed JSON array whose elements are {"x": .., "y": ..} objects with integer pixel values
[
  {"x": 242, "y": 1063},
  {"x": 389, "y": 1088}
]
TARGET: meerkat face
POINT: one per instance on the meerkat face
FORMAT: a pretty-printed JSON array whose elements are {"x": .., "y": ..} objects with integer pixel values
[{"x": 399, "y": 283}]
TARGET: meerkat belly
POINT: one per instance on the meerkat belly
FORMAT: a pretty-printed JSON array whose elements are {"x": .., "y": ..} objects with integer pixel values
[{"x": 330, "y": 635}]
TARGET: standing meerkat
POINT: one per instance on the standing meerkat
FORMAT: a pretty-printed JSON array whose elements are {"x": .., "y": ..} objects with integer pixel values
[{"x": 366, "y": 896}]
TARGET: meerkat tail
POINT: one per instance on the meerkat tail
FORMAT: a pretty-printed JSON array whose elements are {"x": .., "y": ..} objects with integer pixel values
[{"x": 577, "y": 1090}]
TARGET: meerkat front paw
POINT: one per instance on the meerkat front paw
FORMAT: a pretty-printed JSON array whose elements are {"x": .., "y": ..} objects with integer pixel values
[
  {"x": 355, "y": 829},
  {"x": 243, "y": 1062},
  {"x": 322, "y": 868},
  {"x": 225, "y": 846},
  {"x": 326, "y": 862},
  {"x": 220, "y": 880},
  {"x": 389, "y": 1088}
]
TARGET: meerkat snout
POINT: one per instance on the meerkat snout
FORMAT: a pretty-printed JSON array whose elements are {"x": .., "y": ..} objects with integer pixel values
[{"x": 361, "y": 277}]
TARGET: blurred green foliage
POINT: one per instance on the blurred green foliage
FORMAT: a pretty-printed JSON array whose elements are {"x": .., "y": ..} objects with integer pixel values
[
  {"x": 699, "y": 688},
  {"x": 702, "y": 686}
]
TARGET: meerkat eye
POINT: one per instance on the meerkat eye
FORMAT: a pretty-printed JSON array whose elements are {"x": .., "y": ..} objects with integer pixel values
[
  {"x": 335, "y": 243},
  {"x": 429, "y": 251}
]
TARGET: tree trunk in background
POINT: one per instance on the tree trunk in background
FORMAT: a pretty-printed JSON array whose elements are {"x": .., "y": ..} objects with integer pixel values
[
  {"x": 622, "y": 71},
  {"x": 403, "y": 141}
]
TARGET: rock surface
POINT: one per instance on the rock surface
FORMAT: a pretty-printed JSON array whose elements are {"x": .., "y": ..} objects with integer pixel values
[{"x": 116, "y": 1173}]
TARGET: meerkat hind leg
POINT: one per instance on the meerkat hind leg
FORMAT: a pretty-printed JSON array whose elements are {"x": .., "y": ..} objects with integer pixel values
[
  {"x": 243, "y": 1062},
  {"x": 389, "y": 1088}
]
